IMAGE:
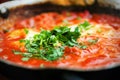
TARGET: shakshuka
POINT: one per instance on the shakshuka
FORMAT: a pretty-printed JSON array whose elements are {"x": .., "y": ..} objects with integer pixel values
[{"x": 70, "y": 40}]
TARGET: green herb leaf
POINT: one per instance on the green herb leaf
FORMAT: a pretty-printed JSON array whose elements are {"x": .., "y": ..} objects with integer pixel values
[
  {"x": 99, "y": 30},
  {"x": 26, "y": 30},
  {"x": 78, "y": 18},
  {"x": 25, "y": 58},
  {"x": 84, "y": 26},
  {"x": 16, "y": 52},
  {"x": 83, "y": 47},
  {"x": 21, "y": 40},
  {"x": 93, "y": 41}
]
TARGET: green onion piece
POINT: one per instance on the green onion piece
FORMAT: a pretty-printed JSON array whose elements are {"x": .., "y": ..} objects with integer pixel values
[
  {"x": 16, "y": 52},
  {"x": 93, "y": 41},
  {"x": 83, "y": 47},
  {"x": 25, "y": 58},
  {"x": 26, "y": 30}
]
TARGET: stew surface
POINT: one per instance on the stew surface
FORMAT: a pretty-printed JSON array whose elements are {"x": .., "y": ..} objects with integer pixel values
[{"x": 74, "y": 40}]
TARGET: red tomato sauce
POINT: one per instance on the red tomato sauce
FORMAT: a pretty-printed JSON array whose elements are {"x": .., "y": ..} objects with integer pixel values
[{"x": 106, "y": 52}]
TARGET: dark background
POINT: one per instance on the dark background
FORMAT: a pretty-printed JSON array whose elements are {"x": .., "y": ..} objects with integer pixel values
[{"x": 1, "y": 1}]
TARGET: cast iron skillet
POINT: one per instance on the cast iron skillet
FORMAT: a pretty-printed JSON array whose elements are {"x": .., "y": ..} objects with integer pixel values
[{"x": 14, "y": 72}]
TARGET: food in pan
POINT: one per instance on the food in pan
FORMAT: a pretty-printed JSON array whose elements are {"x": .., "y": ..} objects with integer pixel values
[{"x": 71, "y": 40}]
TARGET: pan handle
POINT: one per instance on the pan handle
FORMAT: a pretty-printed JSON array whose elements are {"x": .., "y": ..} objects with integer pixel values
[{"x": 4, "y": 12}]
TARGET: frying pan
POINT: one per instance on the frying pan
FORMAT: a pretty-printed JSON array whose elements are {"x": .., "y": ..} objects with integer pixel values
[{"x": 22, "y": 8}]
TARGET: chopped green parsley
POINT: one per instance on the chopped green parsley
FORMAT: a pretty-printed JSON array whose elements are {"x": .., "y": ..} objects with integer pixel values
[
  {"x": 93, "y": 41},
  {"x": 50, "y": 45},
  {"x": 25, "y": 58}
]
